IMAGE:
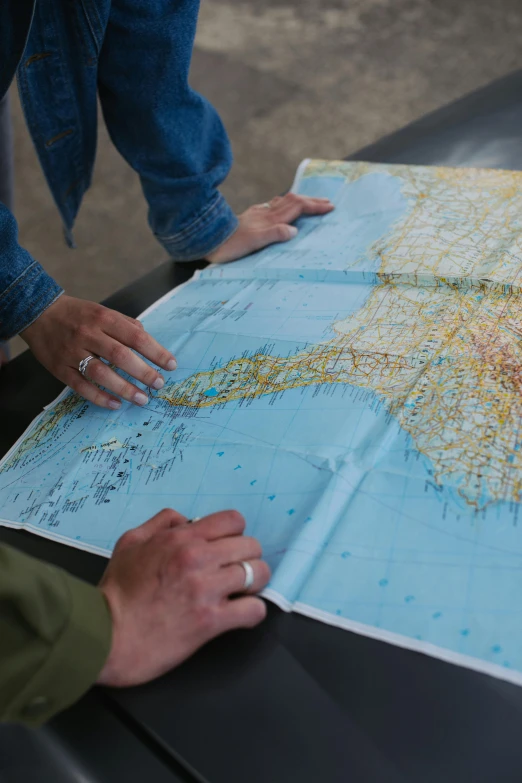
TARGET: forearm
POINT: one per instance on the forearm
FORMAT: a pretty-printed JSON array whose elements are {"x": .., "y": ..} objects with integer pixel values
[
  {"x": 55, "y": 636},
  {"x": 26, "y": 290}
]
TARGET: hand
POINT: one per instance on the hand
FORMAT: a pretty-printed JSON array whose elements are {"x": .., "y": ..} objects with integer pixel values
[
  {"x": 169, "y": 587},
  {"x": 72, "y": 329},
  {"x": 264, "y": 224}
]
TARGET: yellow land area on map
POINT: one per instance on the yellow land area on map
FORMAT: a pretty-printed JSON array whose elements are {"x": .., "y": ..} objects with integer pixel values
[{"x": 438, "y": 337}]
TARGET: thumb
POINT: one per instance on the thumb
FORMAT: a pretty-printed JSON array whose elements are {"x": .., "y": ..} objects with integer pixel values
[{"x": 281, "y": 232}]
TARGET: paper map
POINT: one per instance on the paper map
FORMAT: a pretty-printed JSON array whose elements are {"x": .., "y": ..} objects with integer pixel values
[{"x": 356, "y": 393}]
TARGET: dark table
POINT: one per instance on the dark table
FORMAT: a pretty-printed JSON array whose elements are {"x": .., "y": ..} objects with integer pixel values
[{"x": 293, "y": 700}]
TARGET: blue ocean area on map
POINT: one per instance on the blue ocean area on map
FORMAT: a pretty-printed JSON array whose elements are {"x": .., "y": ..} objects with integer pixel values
[
  {"x": 325, "y": 244},
  {"x": 346, "y": 498}
]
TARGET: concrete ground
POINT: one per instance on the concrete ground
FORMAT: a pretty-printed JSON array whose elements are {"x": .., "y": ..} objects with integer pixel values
[{"x": 291, "y": 79}]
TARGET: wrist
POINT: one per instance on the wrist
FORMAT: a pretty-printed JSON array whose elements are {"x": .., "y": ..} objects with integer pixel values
[
  {"x": 120, "y": 669},
  {"x": 109, "y": 673},
  {"x": 37, "y": 321},
  {"x": 28, "y": 331}
]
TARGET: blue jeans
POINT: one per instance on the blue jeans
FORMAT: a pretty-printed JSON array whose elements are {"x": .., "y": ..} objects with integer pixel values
[{"x": 6, "y": 176}]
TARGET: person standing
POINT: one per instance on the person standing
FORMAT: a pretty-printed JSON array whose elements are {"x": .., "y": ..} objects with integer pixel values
[{"x": 134, "y": 55}]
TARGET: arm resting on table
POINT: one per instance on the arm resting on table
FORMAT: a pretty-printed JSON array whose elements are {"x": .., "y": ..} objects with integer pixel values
[{"x": 55, "y": 636}]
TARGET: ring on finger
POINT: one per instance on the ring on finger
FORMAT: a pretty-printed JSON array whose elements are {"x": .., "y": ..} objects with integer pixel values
[
  {"x": 266, "y": 205},
  {"x": 249, "y": 574},
  {"x": 194, "y": 519},
  {"x": 82, "y": 367}
]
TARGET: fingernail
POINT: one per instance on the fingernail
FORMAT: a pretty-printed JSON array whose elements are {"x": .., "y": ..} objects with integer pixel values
[
  {"x": 159, "y": 383},
  {"x": 171, "y": 364},
  {"x": 114, "y": 404},
  {"x": 292, "y": 230},
  {"x": 140, "y": 398}
]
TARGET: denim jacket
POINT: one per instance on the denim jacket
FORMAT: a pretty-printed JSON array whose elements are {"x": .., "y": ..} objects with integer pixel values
[{"x": 135, "y": 55}]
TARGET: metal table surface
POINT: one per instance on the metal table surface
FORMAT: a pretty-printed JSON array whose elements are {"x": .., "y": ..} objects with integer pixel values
[{"x": 293, "y": 699}]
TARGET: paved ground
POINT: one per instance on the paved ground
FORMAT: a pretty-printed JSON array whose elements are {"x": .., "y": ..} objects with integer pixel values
[{"x": 291, "y": 79}]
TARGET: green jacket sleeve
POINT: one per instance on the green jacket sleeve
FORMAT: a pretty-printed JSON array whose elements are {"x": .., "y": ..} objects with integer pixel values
[{"x": 55, "y": 635}]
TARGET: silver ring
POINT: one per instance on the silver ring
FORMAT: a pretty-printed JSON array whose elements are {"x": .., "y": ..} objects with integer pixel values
[
  {"x": 249, "y": 574},
  {"x": 194, "y": 519},
  {"x": 266, "y": 205},
  {"x": 82, "y": 367}
]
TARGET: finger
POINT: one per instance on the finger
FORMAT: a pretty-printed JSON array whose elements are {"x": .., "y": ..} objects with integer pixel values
[
  {"x": 139, "y": 340},
  {"x": 90, "y": 392},
  {"x": 281, "y": 232},
  {"x": 231, "y": 579},
  {"x": 231, "y": 549},
  {"x": 219, "y": 525},
  {"x": 125, "y": 359},
  {"x": 100, "y": 373},
  {"x": 282, "y": 200},
  {"x": 163, "y": 520},
  {"x": 134, "y": 321},
  {"x": 245, "y": 612},
  {"x": 294, "y": 206},
  {"x": 293, "y": 202}
]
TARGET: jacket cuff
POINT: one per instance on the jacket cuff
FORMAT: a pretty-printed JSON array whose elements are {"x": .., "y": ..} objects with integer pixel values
[
  {"x": 75, "y": 660},
  {"x": 25, "y": 300},
  {"x": 204, "y": 234}
]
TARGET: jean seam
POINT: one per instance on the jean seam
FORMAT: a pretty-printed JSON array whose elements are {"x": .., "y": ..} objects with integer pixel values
[
  {"x": 196, "y": 225},
  {"x": 17, "y": 280}
]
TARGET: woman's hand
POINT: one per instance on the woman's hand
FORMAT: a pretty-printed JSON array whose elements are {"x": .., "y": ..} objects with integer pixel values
[
  {"x": 72, "y": 329},
  {"x": 264, "y": 224}
]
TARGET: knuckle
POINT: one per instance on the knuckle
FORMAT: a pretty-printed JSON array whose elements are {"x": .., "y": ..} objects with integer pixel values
[
  {"x": 95, "y": 371},
  {"x": 100, "y": 399},
  {"x": 254, "y": 548},
  {"x": 118, "y": 354},
  {"x": 257, "y": 549},
  {"x": 106, "y": 317},
  {"x": 293, "y": 198},
  {"x": 97, "y": 314},
  {"x": 128, "y": 538},
  {"x": 139, "y": 340},
  {"x": 189, "y": 556},
  {"x": 82, "y": 331},
  {"x": 124, "y": 389},
  {"x": 149, "y": 376}
]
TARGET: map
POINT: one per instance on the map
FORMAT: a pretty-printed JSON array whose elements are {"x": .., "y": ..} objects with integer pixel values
[{"x": 356, "y": 393}]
